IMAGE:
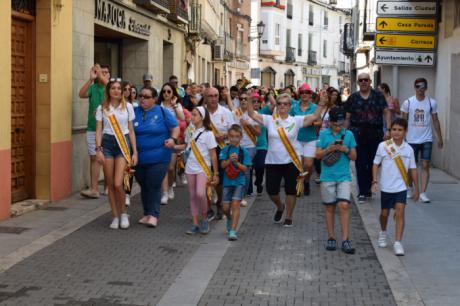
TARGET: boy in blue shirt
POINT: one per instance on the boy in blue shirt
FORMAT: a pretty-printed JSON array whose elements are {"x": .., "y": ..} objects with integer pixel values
[
  {"x": 235, "y": 160},
  {"x": 336, "y": 147}
]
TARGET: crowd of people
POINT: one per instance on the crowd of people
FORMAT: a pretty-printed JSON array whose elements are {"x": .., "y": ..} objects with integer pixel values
[{"x": 225, "y": 142}]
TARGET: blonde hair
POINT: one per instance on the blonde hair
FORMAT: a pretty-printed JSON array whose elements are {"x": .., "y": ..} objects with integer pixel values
[{"x": 106, "y": 102}]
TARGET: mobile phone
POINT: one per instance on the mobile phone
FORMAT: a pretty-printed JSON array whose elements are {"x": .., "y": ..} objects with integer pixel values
[{"x": 338, "y": 142}]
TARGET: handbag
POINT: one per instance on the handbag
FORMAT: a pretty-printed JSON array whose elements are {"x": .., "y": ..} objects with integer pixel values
[{"x": 332, "y": 157}]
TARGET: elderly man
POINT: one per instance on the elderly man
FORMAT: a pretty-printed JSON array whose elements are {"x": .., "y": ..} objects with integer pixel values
[
  {"x": 366, "y": 109},
  {"x": 222, "y": 119}
]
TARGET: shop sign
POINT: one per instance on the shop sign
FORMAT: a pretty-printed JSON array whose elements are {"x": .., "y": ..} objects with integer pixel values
[
  {"x": 406, "y": 24},
  {"x": 404, "y": 58},
  {"x": 405, "y": 41},
  {"x": 311, "y": 71},
  {"x": 111, "y": 15}
]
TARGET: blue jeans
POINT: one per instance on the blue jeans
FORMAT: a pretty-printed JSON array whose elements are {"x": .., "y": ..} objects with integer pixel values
[
  {"x": 258, "y": 164},
  {"x": 422, "y": 149},
  {"x": 149, "y": 178}
]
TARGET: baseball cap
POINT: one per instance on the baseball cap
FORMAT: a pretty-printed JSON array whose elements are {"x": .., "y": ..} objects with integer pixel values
[
  {"x": 337, "y": 114},
  {"x": 147, "y": 77},
  {"x": 304, "y": 87}
]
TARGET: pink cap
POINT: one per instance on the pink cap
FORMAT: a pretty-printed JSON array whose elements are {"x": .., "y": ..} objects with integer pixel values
[
  {"x": 304, "y": 86},
  {"x": 255, "y": 96}
]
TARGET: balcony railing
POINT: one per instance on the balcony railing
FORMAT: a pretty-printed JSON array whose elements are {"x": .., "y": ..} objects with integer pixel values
[
  {"x": 195, "y": 18},
  {"x": 155, "y": 6},
  {"x": 312, "y": 58},
  {"x": 178, "y": 11},
  {"x": 290, "y": 54},
  {"x": 341, "y": 67}
]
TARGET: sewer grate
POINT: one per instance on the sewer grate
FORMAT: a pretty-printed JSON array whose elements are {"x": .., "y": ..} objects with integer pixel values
[
  {"x": 57, "y": 208},
  {"x": 12, "y": 230}
]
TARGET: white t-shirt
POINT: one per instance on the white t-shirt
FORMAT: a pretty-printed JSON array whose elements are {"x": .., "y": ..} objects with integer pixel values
[
  {"x": 390, "y": 177},
  {"x": 419, "y": 119},
  {"x": 171, "y": 109},
  {"x": 246, "y": 142},
  {"x": 277, "y": 153},
  {"x": 236, "y": 102},
  {"x": 205, "y": 142},
  {"x": 222, "y": 119},
  {"x": 122, "y": 115}
]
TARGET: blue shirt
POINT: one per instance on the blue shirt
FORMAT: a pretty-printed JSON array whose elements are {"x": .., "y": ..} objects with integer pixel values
[
  {"x": 262, "y": 140},
  {"x": 225, "y": 154},
  {"x": 340, "y": 171},
  {"x": 308, "y": 133},
  {"x": 152, "y": 128}
]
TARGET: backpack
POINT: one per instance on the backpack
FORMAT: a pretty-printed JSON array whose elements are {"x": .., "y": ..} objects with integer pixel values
[{"x": 232, "y": 170}]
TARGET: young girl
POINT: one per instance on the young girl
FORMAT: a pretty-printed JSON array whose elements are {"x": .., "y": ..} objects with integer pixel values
[
  {"x": 396, "y": 158},
  {"x": 200, "y": 132},
  {"x": 109, "y": 153}
]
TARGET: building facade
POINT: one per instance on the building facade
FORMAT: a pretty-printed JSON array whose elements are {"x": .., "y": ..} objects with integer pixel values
[
  {"x": 36, "y": 81},
  {"x": 133, "y": 37},
  {"x": 300, "y": 43}
]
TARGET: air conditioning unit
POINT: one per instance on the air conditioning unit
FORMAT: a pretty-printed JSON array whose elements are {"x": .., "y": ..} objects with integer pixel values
[{"x": 218, "y": 52}]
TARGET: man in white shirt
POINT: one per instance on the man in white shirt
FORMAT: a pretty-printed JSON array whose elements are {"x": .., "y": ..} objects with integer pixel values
[{"x": 421, "y": 112}]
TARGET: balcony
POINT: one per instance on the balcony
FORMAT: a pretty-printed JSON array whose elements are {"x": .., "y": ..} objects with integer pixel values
[
  {"x": 178, "y": 11},
  {"x": 155, "y": 6},
  {"x": 195, "y": 18},
  {"x": 341, "y": 68},
  {"x": 290, "y": 55},
  {"x": 311, "y": 58}
]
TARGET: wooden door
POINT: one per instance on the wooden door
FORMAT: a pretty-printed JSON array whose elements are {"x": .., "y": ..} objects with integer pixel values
[{"x": 22, "y": 111}]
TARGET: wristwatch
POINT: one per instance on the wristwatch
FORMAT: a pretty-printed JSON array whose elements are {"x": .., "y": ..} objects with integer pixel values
[{"x": 174, "y": 139}]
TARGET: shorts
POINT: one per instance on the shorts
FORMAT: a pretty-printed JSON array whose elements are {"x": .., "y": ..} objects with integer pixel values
[
  {"x": 110, "y": 146},
  {"x": 91, "y": 142},
  {"x": 232, "y": 193},
  {"x": 424, "y": 149},
  {"x": 334, "y": 192},
  {"x": 389, "y": 199},
  {"x": 275, "y": 173},
  {"x": 308, "y": 149}
]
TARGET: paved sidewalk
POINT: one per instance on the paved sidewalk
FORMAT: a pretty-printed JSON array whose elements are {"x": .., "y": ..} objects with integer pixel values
[{"x": 430, "y": 268}]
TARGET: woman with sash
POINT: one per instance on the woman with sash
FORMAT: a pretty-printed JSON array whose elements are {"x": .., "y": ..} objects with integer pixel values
[
  {"x": 114, "y": 140},
  {"x": 282, "y": 160},
  {"x": 156, "y": 133}
]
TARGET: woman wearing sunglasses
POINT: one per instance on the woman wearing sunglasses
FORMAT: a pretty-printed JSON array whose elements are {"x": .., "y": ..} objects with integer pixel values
[
  {"x": 169, "y": 99},
  {"x": 281, "y": 161}
]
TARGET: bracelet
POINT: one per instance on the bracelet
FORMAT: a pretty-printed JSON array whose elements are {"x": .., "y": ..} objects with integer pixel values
[{"x": 99, "y": 149}]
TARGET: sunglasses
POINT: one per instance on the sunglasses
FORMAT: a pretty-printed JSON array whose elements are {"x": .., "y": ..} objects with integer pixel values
[
  {"x": 283, "y": 103},
  {"x": 420, "y": 86},
  {"x": 305, "y": 92},
  {"x": 115, "y": 80},
  {"x": 243, "y": 98},
  {"x": 167, "y": 91},
  {"x": 145, "y": 97},
  {"x": 127, "y": 89},
  {"x": 363, "y": 80}
]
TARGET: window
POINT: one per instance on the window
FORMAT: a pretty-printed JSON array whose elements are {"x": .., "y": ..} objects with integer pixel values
[
  {"x": 277, "y": 34},
  {"x": 310, "y": 15},
  {"x": 288, "y": 37},
  {"x": 299, "y": 45},
  {"x": 324, "y": 48},
  {"x": 326, "y": 19},
  {"x": 310, "y": 41}
]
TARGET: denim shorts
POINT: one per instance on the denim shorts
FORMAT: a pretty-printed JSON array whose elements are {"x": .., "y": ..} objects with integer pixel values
[
  {"x": 111, "y": 147},
  {"x": 422, "y": 149},
  {"x": 232, "y": 193},
  {"x": 334, "y": 192},
  {"x": 389, "y": 199}
]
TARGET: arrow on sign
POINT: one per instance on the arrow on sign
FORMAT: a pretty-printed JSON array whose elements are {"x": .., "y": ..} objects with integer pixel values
[
  {"x": 384, "y": 7},
  {"x": 382, "y": 40},
  {"x": 383, "y": 24},
  {"x": 428, "y": 58}
]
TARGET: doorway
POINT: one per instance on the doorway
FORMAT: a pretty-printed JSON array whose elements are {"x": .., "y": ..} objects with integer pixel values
[
  {"x": 168, "y": 60},
  {"x": 107, "y": 52}
]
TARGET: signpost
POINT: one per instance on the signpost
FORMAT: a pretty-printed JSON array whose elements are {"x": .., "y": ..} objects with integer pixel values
[
  {"x": 404, "y": 58},
  {"x": 393, "y": 24},
  {"x": 405, "y": 8},
  {"x": 405, "y": 41}
]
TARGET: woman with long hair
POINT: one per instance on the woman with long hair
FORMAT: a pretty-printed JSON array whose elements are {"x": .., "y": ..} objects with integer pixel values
[
  {"x": 169, "y": 99},
  {"x": 109, "y": 152},
  {"x": 393, "y": 103}
]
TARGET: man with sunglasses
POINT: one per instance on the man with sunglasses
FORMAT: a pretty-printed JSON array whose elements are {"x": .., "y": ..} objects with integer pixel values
[
  {"x": 421, "y": 112},
  {"x": 366, "y": 109}
]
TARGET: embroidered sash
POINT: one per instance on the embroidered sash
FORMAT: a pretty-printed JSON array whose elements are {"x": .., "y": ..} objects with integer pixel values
[
  {"x": 247, "y": 129},
  {"x": 292, "y": 153},
  {"x": 203, "y": 166},
  {"x": 220, "y": 143},
  {"x": 121, "y": 141},
  {"x": 393, "y": 151}
]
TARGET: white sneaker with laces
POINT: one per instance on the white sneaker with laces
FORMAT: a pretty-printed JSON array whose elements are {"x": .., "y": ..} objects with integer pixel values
[
  {"x": 115, "y": 223},
  {"x": 174, "y": 184},
  {"x": 409, "y": 193},
  {"x": 171, "y": 193},
  {"x": 184, "y": 179},
  {"x": 164, "y": 198},
  {"x": 424, "y": 198},
  {"x": 127, "y": 200},
  {"x": 398, "y": 248},
  {"x": 124, "y": 222},
  {"x": 382, "y": 242},
  {"x": 244, "y": 203}
]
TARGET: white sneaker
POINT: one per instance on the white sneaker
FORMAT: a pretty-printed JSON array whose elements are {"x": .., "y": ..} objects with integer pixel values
[
  {"x": 171, "y": 193},
  {"x": 398, "y": 248},
  {"x": 382, "y": 242},
  {"x": 244, "y": 203},
  {"x": 214, "y": 197},
  {"x": 409, "y": 193},
  {"x": 127, "y": 200},
  {"x": 124, "y": 223},
  {"x": 424, "y": 198},
  {"x": 184, "y": 179},
  {"x": 164, "y": 198},
  {"x": 173, "y": 184},
  {"x": 115, "y": 223}
]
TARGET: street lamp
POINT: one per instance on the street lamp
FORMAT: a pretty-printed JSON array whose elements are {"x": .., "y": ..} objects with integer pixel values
[{"x": 260, "y": 32}]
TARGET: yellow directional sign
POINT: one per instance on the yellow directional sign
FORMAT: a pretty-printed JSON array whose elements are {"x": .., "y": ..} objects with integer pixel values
[
  {"x": 405, "y": 41},
  {"x": 405, "y": 24}
]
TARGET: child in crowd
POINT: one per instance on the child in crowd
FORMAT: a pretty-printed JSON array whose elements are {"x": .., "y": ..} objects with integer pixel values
[
  {"x": 336, "y": 147},
  {"x": 198, "y": 166},
  {"x": 396, "y": 158},
  {"x": 235, "y": 161}
]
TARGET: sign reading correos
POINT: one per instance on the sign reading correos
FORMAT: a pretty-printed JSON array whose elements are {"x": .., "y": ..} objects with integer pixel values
[
  {"x": 109, "y": 14},
  {"x": 406, "y": 8},
  {"x": 405, "y": 41},
  {"x": 405, "y": 24}
]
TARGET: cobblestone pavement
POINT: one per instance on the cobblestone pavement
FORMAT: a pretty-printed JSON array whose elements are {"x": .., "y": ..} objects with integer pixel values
[
  {"x": 268, "y": 265},
  {"x": 272, "y": 265}
]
